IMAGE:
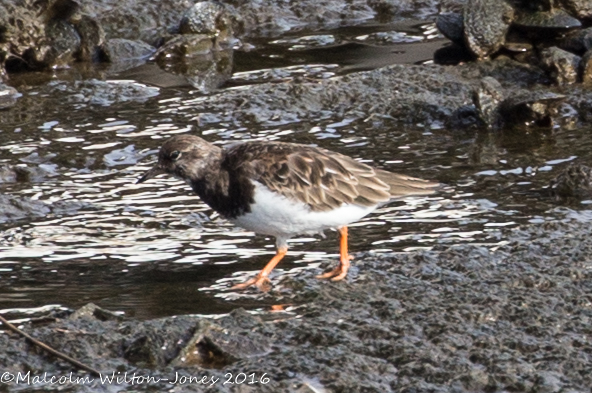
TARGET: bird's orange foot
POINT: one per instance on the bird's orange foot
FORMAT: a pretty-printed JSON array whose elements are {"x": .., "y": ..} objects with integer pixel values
[
  {"x": 261, "y": 282},
  {"x": 339, "y": 272}
]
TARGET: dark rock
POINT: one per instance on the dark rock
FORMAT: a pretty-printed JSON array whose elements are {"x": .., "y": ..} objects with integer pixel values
[
  {"x": 579, "y": 8},
  {"x": 508, "y": 72},
  {"x": 125, "y": 54},
  {"x": 126, "y": 156},
  {"x": 157, "y": 342},
  {"x": 530, "y": 108},
  {"x": 548, "y": 382},
  {"x": 60, "y": 9},
  {"x": 121, "y": 50},
  {"x": 14, "y": 208},
  {"x": 562, "y": 66},
  {"x": 64, "y": 42},
  {"x": 451, "y": 26},
  {"x": 214, "y": 346},
  {"x": 23, "y": 33},
  {"x": 487, "y": 99},
  {"x": 7, "y": 174},
  {"x": 578, "y": 41},
  {"x": 209, "y": 18},
  {"x": 92, "y": 39},
  {"x": 34, "y": 174},
  {"x": 556, "y": 20},
  {"x": 586, "y": 68},
  {"x": 96, "y": 92},
  {"x": 91, "y": 310},
  {"x": 137, "y": 20},
  {"x": 575, "y": 181},
  {"x": 534, "y": 5},
  {"x": 465, "y": 117},
  {"x": 486, "y": 24},
  {"x": 35, "y": 158}
]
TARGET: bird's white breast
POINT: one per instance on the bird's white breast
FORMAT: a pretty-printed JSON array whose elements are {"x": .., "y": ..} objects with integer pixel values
[{"x": 275, "y": 215}]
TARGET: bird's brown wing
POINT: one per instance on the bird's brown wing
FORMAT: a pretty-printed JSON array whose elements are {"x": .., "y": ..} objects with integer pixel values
[{"x": 322, "y": 179}]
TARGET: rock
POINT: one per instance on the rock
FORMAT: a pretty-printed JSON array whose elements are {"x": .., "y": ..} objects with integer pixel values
[
  {"x": 486, "y": 24},
  {"x": 548, "y": 382},
  {"x": 465, "y": 117},
  {"x": 578, "y": 41},
  {"x": 214, "y": 346},
  {"x": 96, "y": 92},
  {"x": 530, "y": 108},
  {"x": 487, "y": 99},
  {"x": 562, "y": 66},
  {"x": 26, "y": 173},
  {"x": 451, "y": 26},
  {"x": 53, "y": 10},
  {"x": 8, "y": 96},
  {"x": 124, "y": 54},
  {"x": 553, "y": 21},
  {"x": 579, "y": 8},
  {"x": 573, "y": 182},
  {"x": 209, "y": 18},
  {"x": 14, "y": 208},
  {"x": 121, "y": 50},
  {"x": 64, "y": 43},
  {"x": 7, "y": 174},
  {"x": 24, "y": 34},
  {"x": 156, "y": 343},
  {"x": 92, "y": 39},
  {"x": 586, "y": 68},
  {"x": 91, "y": 310}
]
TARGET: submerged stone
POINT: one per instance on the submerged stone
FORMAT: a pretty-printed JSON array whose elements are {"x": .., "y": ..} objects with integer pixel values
[
  {"x": 573, "y": 182},
  {"x": 8, "y": 96}
]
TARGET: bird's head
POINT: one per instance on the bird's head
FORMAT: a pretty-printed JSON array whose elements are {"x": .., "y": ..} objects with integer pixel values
[{"x": 183, "y": 156}]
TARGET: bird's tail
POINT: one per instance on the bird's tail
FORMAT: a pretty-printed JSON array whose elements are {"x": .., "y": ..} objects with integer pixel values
[{"x": 402, "y": 186}]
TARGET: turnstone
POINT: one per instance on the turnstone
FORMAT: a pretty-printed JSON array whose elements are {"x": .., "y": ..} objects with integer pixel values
[{"x": 283, "y": 189}]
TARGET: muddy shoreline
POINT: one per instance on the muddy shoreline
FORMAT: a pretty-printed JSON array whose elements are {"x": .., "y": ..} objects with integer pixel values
[{"x": 464, "y": 318}]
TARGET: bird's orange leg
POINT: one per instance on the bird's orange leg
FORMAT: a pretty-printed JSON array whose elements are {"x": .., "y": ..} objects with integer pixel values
[
  {"x": 340, "y": 271},
  {"x": 261, "y": 280}
]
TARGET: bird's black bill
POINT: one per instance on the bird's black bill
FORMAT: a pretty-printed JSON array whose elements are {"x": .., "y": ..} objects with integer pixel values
[{"x": 150, "y": 174}]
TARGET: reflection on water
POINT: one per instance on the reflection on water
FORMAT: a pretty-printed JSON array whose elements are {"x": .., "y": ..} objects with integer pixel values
[{"x": 155, "y": 249}]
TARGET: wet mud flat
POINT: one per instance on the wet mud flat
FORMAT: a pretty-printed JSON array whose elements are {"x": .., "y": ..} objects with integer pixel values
[{"x": 467, "y": 318}]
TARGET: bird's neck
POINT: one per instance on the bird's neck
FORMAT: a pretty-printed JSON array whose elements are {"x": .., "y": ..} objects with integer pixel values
[{"x": 226, "y": 190}]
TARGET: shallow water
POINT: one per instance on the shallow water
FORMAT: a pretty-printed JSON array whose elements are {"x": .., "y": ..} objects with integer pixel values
[{"x": 155, "y": 249}]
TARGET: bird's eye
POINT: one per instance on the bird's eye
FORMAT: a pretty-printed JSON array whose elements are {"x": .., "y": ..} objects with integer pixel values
[{"x": 175, "y": 155}]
